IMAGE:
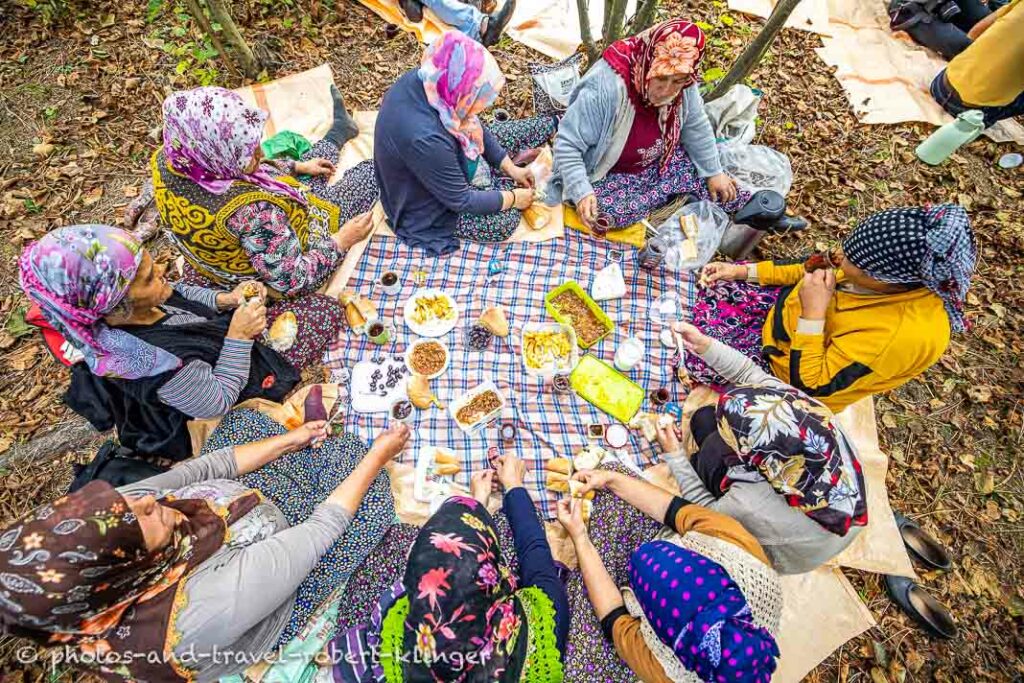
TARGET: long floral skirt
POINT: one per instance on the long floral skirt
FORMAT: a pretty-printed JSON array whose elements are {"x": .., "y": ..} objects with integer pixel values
[
  {"x": 616, "y": 530},
  {"x": 515, "y": 137},
  {"x": 296, "y": 483},
  {"x": 733, "y": 313},
  {"x": 630, "y": 197}
]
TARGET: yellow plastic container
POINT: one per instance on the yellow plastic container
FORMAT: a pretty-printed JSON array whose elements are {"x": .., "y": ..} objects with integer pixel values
[
  {"x": 606, "y": 388},
  {"x": 573, "y": 286}
]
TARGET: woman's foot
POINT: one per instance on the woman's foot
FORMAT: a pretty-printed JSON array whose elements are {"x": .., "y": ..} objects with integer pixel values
[
  {"x": 343, "y": 128},
  {"x": 412, "y": 9},
  {"x": 494, "y": 24}
]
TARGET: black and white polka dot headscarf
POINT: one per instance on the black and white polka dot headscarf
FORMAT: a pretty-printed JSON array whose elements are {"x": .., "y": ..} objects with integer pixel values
[{"x": 931, "y": 246}]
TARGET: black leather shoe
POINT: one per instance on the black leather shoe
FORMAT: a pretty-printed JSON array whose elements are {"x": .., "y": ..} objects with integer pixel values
[
  {"x": 497, "y": 22},
  {"x": 928, "y": 612},
  {"x": 922, "y": 547},
  {"x": 412, "y": 9}
]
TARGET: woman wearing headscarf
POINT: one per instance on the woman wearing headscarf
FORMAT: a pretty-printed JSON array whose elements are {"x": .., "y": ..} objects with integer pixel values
[
  {"x": 192, "y": 575},
  {"x": 854, "y": 321},
  {"x": 456, "y": 610},
  {"x": 635, "y": 134},
  {"x": 153, "y": 355},
  {"x": 234, "y": 217},
  {"x": 667, "y": 590},
  {"x": 436, "y": 161},
  {"x": 772, "y": 458}
]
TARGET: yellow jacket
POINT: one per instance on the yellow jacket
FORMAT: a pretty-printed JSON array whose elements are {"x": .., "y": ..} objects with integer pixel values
[{"x": 870, "y": 342}]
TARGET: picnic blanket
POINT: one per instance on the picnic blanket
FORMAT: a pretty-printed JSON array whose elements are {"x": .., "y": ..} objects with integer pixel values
[
  {"x": 886, "y": 76},
  {"x": 551, "y": 27}
]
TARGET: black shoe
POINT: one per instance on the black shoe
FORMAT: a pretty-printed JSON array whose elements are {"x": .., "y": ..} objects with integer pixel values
[
  {"x": 928, "y": 612},
  {"x": 497, "y": 22},
  {"x": 922, "y": 547},
  {"x": 412, "y": 9},
  {"x": 343, "y": 128}
]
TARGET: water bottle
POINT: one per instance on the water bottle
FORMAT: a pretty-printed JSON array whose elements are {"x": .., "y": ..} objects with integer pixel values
[{"x": 942, "y": 143}]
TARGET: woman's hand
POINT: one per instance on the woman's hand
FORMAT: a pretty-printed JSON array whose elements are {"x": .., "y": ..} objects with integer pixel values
[
  {"x": 389, "y": 443},
  {"x": 314, "y": 167},
  {"x": 481, "y": 485},
  {"x": 730, "y": 272},
  {"x": 248, "y": 322},
  {"x": 521, "y": 174},
  {"x": 693, "y": 339},
  {"x": 669, "y": 438},
  {"x": 816, "y": 293},
  {"x": 570, "y": 515},
  {"x": 354, "y": 231},
  {"x": 722, "y": 188},
  {"x": 309, "y": 434},
  {"x": 511, "y": 471},
  {"x": 236, "y": 296},
  {"x": 523, "y": 198},
  {"x": 586, "y": 208},
  {"x": 594, "y": 480}
]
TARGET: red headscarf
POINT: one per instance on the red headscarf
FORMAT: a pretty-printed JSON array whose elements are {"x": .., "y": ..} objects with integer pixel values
[{"x": 671, "y": 48}]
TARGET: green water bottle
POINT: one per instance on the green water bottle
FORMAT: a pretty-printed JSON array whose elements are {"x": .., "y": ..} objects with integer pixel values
[{"x": 942, "y": 143}]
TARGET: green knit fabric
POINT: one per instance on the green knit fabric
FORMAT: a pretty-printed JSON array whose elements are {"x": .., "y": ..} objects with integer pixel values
[
  {"x": 392, "y": 634},
  {"x": 543, "y": 660}
]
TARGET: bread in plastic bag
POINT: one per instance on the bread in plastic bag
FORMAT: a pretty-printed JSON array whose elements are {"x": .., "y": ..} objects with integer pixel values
[
  {"x": 711, "y": 225},
  {"x": 756, "y": 167}
]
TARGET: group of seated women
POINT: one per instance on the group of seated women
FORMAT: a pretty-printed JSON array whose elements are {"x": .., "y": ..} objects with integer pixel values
[{"x": 236, "y": 549}]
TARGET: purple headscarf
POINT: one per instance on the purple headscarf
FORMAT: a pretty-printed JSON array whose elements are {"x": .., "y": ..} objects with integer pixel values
[
  {"x": 77, "y": 275},
  {"x": 699, "y": 612},
  {"x": 211, "y": 134}
]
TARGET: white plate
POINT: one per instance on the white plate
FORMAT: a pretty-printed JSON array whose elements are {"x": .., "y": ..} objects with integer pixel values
[
  {"x": 550, "y": 369},
  {"x": 430, "y": 328},
  {"x": 363, "y": 401},
  {"x": 418, "y": 342},
  {"x": 457, "y": 404}
]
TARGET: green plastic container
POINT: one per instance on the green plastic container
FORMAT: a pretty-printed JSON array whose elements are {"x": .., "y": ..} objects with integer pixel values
[
  {"x": 606, "y": 388},
  {"x": 572, "y": 285}
]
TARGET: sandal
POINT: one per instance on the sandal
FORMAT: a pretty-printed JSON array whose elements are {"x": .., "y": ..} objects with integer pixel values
[
  {"x": 922, "y": 547},
  {"x": 928, "y": 612}
]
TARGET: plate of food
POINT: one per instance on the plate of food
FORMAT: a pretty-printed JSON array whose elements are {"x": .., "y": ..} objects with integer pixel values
[
  {"x": 431, "y": 313},
  {"x": 548, "y": 349},
  {"x": 569, "y": 304},
  {"x": 436, "y": 467},
  {"x": 477, "y": 407},
  {"x": 427, "y": 358},
  {"x": 377, "y": 384}
]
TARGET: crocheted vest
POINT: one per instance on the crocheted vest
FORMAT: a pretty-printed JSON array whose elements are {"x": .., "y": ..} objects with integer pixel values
[{"x": 197, "y": 220}]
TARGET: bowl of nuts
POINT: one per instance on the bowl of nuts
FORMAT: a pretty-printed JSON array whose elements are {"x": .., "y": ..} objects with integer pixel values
[{"x": 427, "y": 358}]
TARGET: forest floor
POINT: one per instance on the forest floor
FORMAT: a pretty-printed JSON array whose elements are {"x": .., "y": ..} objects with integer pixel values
[{"x": 80, "y": 114}]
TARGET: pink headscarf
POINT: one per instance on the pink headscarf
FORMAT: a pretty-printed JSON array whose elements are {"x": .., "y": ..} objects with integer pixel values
[{"x": 211, "y": 135}]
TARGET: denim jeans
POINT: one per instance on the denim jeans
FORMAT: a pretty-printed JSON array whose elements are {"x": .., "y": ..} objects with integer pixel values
[
  {"x": 946, "y": 95},
  {"x": 461, "y": 15}
]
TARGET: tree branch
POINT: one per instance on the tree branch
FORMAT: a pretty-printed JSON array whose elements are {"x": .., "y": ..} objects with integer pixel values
[
  {"x": 752, "y": 55},
  {"x": 70, "y": 436},
  {"x": 250, "y": 65},
  {"x": 645, "y": 16},
  {"x": 204, "y": 25},
  {"x": 588, "y": 39},
  {"x": 618, "y": 15}
]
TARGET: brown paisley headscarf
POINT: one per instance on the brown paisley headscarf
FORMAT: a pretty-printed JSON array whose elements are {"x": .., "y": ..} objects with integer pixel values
[{"x": 76, "y": 572}]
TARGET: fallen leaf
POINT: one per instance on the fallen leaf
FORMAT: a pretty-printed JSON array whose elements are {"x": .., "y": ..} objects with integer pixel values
[
  {"x": 43, "y": 149},
  {"x": 24, "y": 358},
  {"x": 980, "y": 393},
  {"x": 985, "y": 482}
]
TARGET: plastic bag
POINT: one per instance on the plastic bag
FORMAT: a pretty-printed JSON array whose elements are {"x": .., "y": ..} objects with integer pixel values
[
  {"x": 554, "y": 83},
  {"x": 732, "y": 115},
  {"x": 756, "y": 167},
  {"x": 711, "y": 225}
]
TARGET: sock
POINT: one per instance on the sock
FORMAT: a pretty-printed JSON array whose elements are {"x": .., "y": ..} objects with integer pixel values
[{"x": 343, "y": 128}]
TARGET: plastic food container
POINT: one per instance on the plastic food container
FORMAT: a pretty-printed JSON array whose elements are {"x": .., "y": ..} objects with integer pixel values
[
  {"x": 455, "y": 406},
  {"x": 551, "y": 369},
  {"x": 574, "y": 287}
]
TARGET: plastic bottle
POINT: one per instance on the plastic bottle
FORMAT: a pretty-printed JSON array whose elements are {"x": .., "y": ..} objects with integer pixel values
[{"x": 942, "y": 143}]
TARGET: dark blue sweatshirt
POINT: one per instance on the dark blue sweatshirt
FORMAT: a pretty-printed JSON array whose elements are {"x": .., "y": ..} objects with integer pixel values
[{"x": 421, "y": 170}]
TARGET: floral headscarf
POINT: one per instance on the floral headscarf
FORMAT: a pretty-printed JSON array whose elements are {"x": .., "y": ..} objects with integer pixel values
[
  {"x": 698, "y": 611},
  {"x": 77, "y": 572},
  {"x": 77, "y": 275},
  {"x": 462, "y": 618},
  {"x": 461, "y": 79},
  {"x": 211, "y": 135},
  {"x": 672, "y": 48},
  {"x": 933, "y": 246},
  {"x": 789, "y": 440}
]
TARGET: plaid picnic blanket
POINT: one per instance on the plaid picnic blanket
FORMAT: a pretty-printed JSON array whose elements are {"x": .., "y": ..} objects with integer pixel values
[{"x": 548, "y": 424}]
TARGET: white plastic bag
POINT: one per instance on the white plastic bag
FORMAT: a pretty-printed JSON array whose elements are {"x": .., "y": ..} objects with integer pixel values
[
  {"x": 732, "y": 115},
  {"x": 756, "y": 167},
  {"x": 711, "y": 222},
  {"x": 553, "y": 84}
]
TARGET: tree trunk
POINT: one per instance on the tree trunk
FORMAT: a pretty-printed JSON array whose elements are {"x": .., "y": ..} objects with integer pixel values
[
  {"x": 645, "y": 16},
  {"x": 618, "y": 16},
  {"x": 70, "y": 436},
  {"x": 754, "y": 52},
  {"x": 588, "y": 39},
  {"x": 251, "y": 66},
  {"x": 204, "y": 25}
]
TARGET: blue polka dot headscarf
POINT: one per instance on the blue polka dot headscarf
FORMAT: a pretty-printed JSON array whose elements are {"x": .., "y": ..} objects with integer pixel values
[
  {"x": 699, "y": 612},
  {"x": 931, "y": 246}
]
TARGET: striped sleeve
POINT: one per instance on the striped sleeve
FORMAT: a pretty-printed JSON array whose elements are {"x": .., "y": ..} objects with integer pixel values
[
  {"x": 202, "y": 392},
  {"x": 201, "y": 295}
]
